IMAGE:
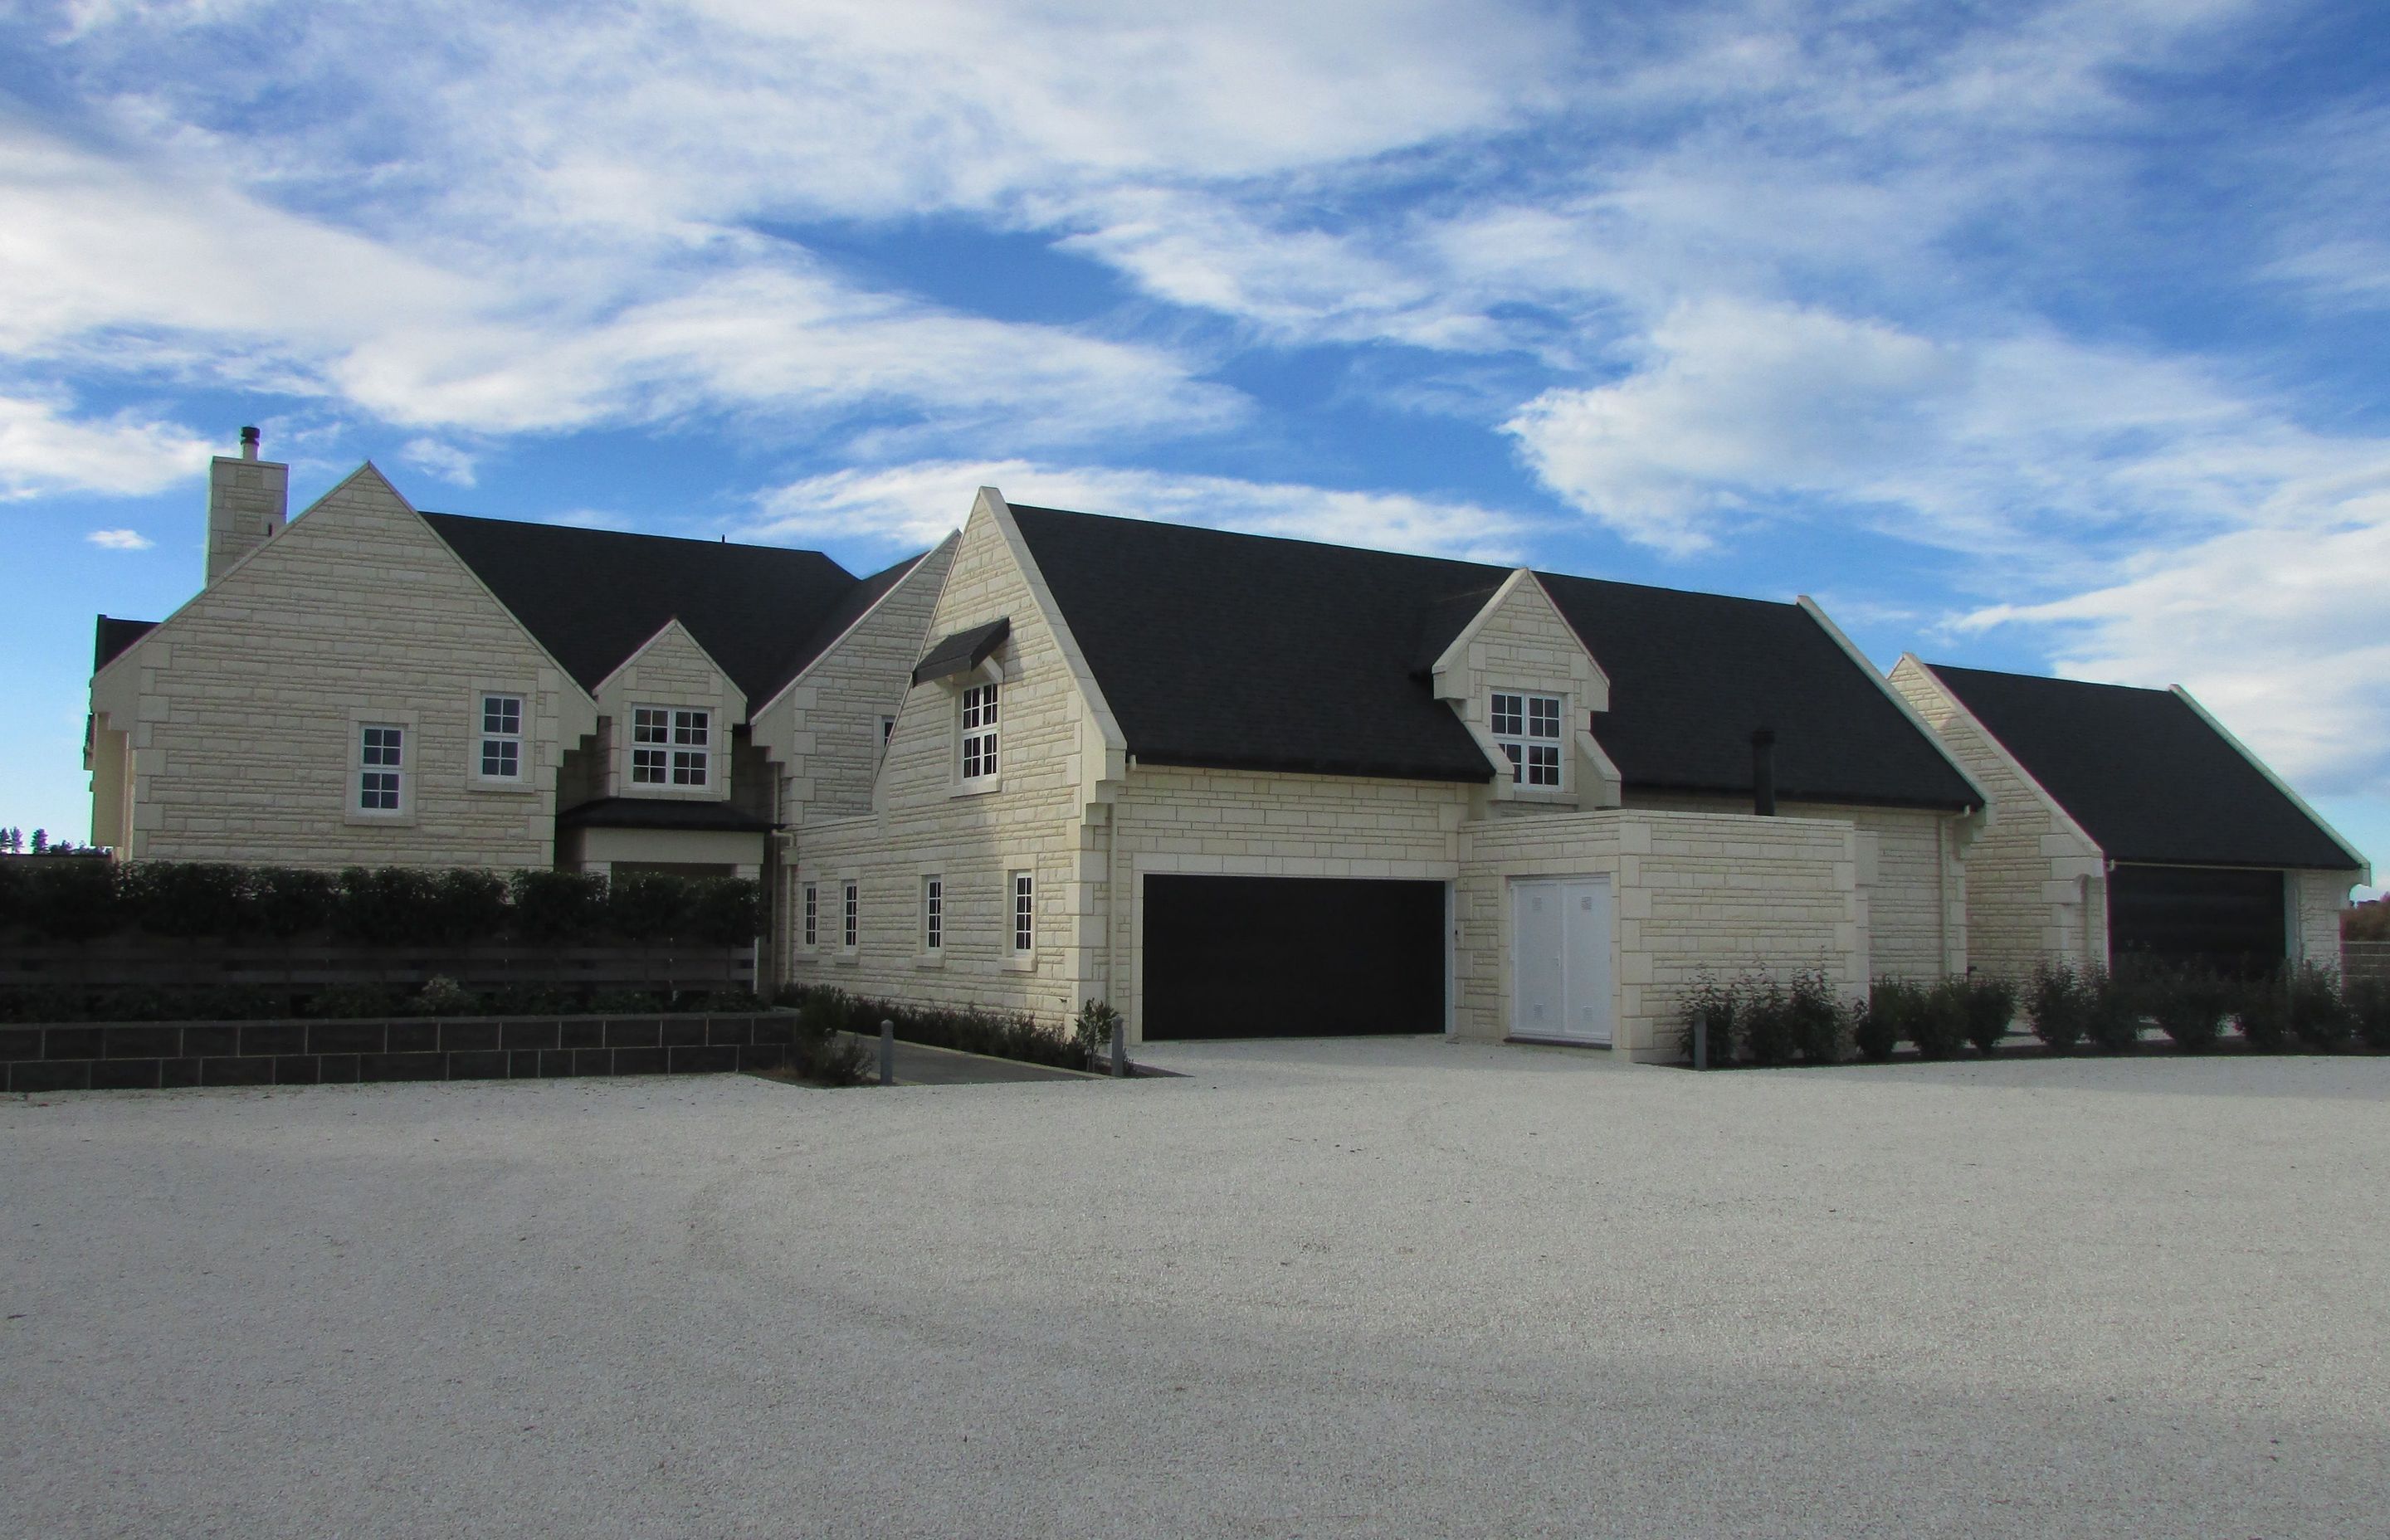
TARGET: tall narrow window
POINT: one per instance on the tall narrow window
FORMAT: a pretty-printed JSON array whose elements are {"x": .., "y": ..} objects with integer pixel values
[
  {"x": 502, "y": 738},
  {"x": 381, "y": 768},
  {"x": 671, "y": 746},
  {"x": 854, "y": 915},
  {"x": 979, "y": 733},
  {"x": 933, "y": 914},
  {"x": 812, "y": 914},
  {"x": 887, "y": 730},
  {"x": 1024, "y": 913},
  {"x": 1528, "y": 728}
]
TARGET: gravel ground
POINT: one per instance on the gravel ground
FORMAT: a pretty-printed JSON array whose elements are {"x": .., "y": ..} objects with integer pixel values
[{"x": 1397, "y": 1289}]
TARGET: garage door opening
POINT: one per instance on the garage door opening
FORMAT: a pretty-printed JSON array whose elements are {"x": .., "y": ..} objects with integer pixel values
[
  {"x": 1289, "y": 956},
  {"x": 2226, "y": 919}
]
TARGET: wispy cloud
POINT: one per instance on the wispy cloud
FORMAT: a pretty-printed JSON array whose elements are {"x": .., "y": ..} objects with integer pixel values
[
  {"x": 913, "y": 506},
  {"x": 445, "y": 460},
  {"x": 45, "y": 450},
  {"x": 120, "y": 540}
]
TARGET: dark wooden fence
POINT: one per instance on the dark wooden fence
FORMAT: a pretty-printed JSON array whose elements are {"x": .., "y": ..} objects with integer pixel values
[{"x": 132, "y": 962}]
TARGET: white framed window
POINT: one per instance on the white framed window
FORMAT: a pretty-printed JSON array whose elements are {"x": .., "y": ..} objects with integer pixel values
[
  {"x": 1528, "y": 728},
  {"x": 671, "y": 746},
  {"x": 977, "y": 734},
  {"x": 934, "y": 915},
  {"x": 381, "y": 768},
  {"x": 812, "y": 914},
  {"x": 499, "y": 755},
  {"x": 853, "y": 927},
  {"x": 887, "y": 730},
  {"x": 1024, "y": 914}
]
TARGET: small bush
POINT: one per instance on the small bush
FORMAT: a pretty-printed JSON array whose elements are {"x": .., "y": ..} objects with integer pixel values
[
  {"x": 2368, "y": 1010},
  {"x": 2265, "y": 1016},
  {"x": 1938, "y": 1027},
  {"x": 1092, "y": 1029},
  {"x": 2112, "y": 1018},
  {"x": 1712, "y": 1006},
  {"x": 2318, "y": 1014},
  {"x": 1821, "y": 1026},
  {"x": 444, "y": 996},
  {"x": 1770, "y": 1028},
  {"x": 2189, "y": 1005},
  {"x": 647, "y": 905},
  {"x": 1881, "y": 1024},
  {"x": 2056, "y": 1007},
  {"x": 1989, "y": 1005}
]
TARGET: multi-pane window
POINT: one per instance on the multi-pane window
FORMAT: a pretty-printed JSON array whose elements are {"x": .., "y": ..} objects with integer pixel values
[
  {"x": 670, "y": 746},
  {"x": 979, "y": 733},
  {"x": 1024, "y": 912},
  {"x": 933, "y": 914},
  {"x": 1528, "y": 728},
  {"x": 812, "y": 914},
  {"x": 853, "y": 916},
  {"x": 381, "y": 768},
  {"x": 502, "y": 738}
]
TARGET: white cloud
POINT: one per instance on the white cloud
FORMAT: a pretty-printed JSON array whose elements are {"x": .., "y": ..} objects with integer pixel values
[
  {"x": 913, "y": 506},
  {"x": 445, "y": 460},
  {"x": 120, "y": 540},
  {"x": 2280, "y": 632},
  {"x": 42, "y": 451}
]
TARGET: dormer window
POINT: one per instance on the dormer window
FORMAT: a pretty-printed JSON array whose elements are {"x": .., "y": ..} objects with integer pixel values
[
  {"x": 977, "y": 734},
  {"x": 671, "y": 746},
  {"x": 1528, "y": 728}
]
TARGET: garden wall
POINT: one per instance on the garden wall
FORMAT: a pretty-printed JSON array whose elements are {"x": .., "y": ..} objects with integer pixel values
[{"x": 106, "y": 1056}]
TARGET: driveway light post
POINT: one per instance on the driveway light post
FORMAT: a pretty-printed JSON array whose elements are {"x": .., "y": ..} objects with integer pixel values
[{"x": 887, "y": 1052}]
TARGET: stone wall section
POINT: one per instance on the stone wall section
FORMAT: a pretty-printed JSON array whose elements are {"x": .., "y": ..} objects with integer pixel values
[
  {"x": 1913, "y": 883},
  {"x": 2036, "y": 885},
  {"x": 925, "y": 822},
  {"x": 240, "y": 710},
  {"x": 671, "y": 670},
  {"x": 825, "y": 727},
  {"x": 1695, "y": 892}
]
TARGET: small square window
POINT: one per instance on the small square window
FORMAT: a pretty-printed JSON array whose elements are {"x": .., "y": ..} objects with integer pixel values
[{"x": 671, "y": 746}]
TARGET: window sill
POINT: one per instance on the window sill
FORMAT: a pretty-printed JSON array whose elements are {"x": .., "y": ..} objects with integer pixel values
[
  {"x": 974, "y": 788},
  {"x": 847, "y": 959},
  {"x": 1021, "y": 965},
  {"x": 520, "y": 789},
  {"x": 927, "y": 960},
  {"x": 388, "y": 820}
]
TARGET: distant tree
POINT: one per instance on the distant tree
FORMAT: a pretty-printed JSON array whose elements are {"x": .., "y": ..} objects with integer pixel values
[
  {"x": 2366, "y": 921},
  {"x": 41, "y": 841}
]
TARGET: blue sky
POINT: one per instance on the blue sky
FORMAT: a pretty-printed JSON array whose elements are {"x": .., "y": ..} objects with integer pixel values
[{"x": 2046, "y": 337}]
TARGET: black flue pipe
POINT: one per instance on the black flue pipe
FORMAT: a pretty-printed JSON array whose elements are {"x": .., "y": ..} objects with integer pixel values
[{"x": 1763, "y": 773}]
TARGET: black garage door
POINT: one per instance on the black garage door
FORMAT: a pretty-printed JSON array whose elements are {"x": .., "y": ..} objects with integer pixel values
[
  {"x": 2230, "y": 918},
  {"x": 1282, "y": 956}
]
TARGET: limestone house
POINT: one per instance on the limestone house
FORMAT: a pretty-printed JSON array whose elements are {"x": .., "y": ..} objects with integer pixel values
[
  {"x": 1244, "y": 786},
  {"x": 369, "y": 684},
  {"x": 2131, "y": 824}
]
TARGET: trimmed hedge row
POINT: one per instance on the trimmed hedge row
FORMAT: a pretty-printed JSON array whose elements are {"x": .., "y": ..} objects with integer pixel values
[
  {"x": 1757, "y": 1019},
  {"x": 1000, "y": 1034},
  {"x": 81, "y": 901}
]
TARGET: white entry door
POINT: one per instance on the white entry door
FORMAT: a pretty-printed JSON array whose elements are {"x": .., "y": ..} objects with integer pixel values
[{"x": 1560, "y": 984}]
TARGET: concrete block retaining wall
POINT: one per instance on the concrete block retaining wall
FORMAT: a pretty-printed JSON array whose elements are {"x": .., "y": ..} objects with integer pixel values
[{"x": 134, "y": 1055}]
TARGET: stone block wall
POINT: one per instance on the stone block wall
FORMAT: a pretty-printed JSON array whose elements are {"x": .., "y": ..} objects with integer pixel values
[{"x": 1694, "y": 892}]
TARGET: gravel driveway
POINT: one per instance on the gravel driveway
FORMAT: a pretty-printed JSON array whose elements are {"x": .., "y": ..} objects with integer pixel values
[{"x": 1398, "y": 1289}]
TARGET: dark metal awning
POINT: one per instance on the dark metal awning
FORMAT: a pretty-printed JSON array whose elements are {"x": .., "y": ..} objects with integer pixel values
[{"x": 963, "y": 651}]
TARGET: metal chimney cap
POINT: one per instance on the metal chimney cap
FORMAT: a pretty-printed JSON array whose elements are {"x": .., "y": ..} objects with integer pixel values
[{"x": 248, "y": 444}]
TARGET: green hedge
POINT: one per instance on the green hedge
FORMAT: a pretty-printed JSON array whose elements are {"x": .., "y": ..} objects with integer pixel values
[
  {"x": 78, "y": 900},
  {"x": 1000, "y": 1034},
  {"x": 350, "y": 1002}
]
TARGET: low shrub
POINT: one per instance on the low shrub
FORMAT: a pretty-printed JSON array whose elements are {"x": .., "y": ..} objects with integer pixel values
[
  {"x": 1000, "y": 1034},
  {"x": 553, "y": 906},
  {"x": 2368, "y": 1011},
  {"x": 285, "y": 902},
  {"x": 724, "y": 911},
  {"x": 1711, "y": 1005},
  {"x": 2189, "y": 1005},
  {"x": 1938, "y": 1030},
  {"x": 1821, "y": 1021},
  {"x": 2318, "y": 1013},
  {"x": 187, "y": 899},
  {"x": 2265, "y": 1016},
  {"x": 2055, "y": 1006},
  {"x": 1770, "y": 1028},
  {"x": 1989, "y": 1005},
  {"x": 2112, "y": 1018},
  {"x": 1881, "y": 1024},
  {"x": 1092, "y": 1029},
  {"x": 445, "y": 996}
]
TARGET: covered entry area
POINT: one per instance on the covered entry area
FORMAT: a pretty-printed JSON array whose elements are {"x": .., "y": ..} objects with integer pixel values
[
  {"x": 2228, "y": 918},
  {"x": 1287, "y": 957}
]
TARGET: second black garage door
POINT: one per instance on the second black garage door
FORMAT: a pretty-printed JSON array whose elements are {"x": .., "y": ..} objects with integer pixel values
[
  {"x": 1283, "y": 956},
  {"x": 2224, "y": 917}
]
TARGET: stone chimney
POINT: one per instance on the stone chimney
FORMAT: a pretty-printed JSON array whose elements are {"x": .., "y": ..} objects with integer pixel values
[{"x": 247, "y": 499}]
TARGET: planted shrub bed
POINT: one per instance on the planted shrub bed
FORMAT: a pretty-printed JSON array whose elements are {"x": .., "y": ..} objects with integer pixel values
[
  {"x": 999, "y": 1035},
  {"x": 1755, "y": 1019}
]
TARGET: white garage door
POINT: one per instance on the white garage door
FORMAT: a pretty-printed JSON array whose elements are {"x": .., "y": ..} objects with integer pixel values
[{"x": 1561, "y": 984}]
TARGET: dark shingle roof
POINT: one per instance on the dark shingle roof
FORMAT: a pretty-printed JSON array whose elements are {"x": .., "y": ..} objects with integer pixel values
[
  {"x": 594, "y": 596},
  {"x": 962, "y": 651},
  {"x": 1693, "y": 675},
  {"x": 114, "y": 637},
  {"x": 2143, "y": 774},
  {"x": 1246, "y": 652}
]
